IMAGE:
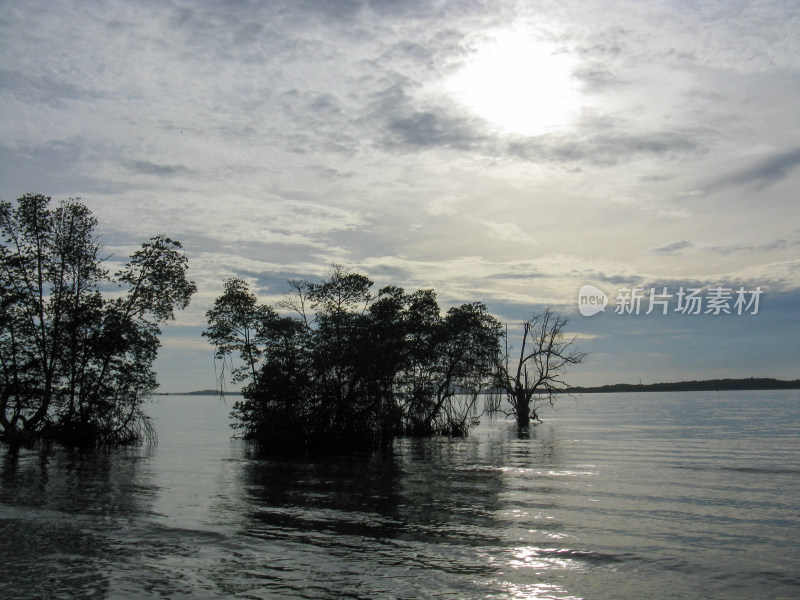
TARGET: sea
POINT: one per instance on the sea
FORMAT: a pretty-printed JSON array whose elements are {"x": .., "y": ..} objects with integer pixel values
[{"x": 613, "y": 496}]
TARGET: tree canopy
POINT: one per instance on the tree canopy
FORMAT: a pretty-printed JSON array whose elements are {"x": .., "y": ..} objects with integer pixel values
[
  {"x": 349, "y": 368},
  {"x": 77, "y": 362}
]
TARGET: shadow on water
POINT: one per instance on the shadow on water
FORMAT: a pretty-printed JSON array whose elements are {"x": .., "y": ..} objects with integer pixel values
[
  {"x": 432, "y": 517},
  {"x": 416, "y": 491},
  {"x": 60, "y": 511},
  {"x": 429, "y": 518},
  {"x": 409, "y": 519}
]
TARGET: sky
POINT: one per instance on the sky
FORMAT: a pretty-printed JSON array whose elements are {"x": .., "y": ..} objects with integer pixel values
[{"x": 508, "y": 152}]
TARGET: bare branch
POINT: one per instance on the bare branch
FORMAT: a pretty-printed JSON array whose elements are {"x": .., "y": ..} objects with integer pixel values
[{"x": 544, "y": 356}]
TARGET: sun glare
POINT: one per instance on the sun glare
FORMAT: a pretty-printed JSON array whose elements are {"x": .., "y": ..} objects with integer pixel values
[{"x": 519, "y": 85}]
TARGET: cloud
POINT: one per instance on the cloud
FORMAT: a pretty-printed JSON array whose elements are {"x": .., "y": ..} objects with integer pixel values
[
  {"x": 672, "y": 247},
  {"x": 443, "y": 205},
  {"x": 198, "y": 344},
  {"x": 777, "y": 245},
  {"x": 608, "y": 148},
  {"x": 428, "y": 129},
  {"x": 595, "y": 77},
  {"x": 764, "y": 173},
  {"x": 147, "y": 168},
  {"x": 508, "y": 232},
  {"x": 315, "y": 132}
]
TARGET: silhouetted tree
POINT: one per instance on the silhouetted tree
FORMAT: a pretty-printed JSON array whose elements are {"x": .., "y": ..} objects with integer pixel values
[
  {"x": 76, "y": 365},
  {"x": 451, "y": 360},
  {"x": 273, "y": 362},
  {"x": 471, "y": 342},
  {"x": 237, "y": 324},
  {"x": 351, "y": 369},
  {"x": 525, "y": 383}
]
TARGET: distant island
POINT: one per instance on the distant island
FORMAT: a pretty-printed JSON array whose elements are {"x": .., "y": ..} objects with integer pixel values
[{"x": 710, "y": 385}]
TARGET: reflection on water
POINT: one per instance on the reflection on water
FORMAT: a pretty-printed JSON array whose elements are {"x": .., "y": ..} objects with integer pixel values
[
  {"x": 631, "y": 496},
  {"x": 57, "y": 521}
]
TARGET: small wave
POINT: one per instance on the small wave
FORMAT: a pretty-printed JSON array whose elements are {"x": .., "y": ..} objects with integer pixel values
[{"x": 765, "y": 470}]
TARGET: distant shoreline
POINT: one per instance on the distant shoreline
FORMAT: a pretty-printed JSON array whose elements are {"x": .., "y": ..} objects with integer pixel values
[
  {"x": 199, "y": 393},
  {"x": 707, "y": 385}
]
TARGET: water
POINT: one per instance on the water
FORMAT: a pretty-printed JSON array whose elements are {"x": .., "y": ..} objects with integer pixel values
[{"x": 693, "y": 495}]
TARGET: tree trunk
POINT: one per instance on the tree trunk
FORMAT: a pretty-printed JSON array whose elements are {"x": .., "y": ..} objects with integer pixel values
[
  {"x": 14, "y": 439},
  {"x": 523, "y": 410}
]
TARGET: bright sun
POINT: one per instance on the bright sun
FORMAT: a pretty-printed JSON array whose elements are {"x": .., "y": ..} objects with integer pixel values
[{"x": 519, "y": 85}]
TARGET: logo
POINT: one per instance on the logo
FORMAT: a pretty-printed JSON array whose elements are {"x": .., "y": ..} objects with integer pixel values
[
  {"x": 717, "y": 300},
  {"x": 591, "y": 300}
]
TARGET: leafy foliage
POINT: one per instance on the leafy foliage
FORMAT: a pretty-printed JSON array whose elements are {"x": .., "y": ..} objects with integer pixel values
[
  {"x": 349, "y": 369},
  {"x": 77, "y": 365}
]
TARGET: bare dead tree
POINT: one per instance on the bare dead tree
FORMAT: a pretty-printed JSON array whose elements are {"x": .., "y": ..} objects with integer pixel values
[
  {"x": 296, "y": 299},
  {"x": 524, "y": 384}
]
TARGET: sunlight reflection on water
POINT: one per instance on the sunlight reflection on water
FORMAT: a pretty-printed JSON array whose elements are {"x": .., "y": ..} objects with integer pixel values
[{"x": 641, "y": 507}]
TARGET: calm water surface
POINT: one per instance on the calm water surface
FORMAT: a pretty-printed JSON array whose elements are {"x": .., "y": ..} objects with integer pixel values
[{"x": 693, "y": 495}]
